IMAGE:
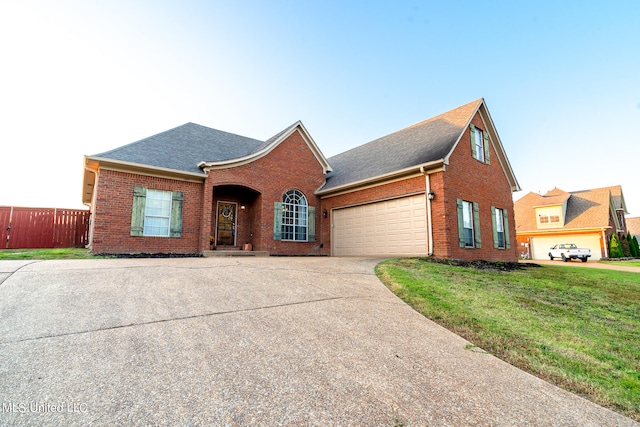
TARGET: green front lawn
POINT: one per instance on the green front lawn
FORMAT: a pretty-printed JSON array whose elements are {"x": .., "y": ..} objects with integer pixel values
[
  {"x": 578, "y": 328},
  {"x": 623, "y": 263},
  {"x": 62, "y": 253}
]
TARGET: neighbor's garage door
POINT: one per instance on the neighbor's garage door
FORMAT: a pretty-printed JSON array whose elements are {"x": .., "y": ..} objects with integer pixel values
[
  {"x": 392, "y": 227},
  {"x": 540, "y": 245}
]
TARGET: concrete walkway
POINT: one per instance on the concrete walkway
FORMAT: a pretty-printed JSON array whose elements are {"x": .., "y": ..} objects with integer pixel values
[{"x": 251, "y": 341}]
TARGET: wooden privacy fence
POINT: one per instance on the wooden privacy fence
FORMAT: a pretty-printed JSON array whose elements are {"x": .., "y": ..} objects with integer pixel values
[{"x": 43, "y": 228}]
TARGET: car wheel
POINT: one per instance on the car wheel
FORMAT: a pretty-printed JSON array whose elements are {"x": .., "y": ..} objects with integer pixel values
[
  {"x": 584, "y": 259},
  {"x": 551, "y": 257},
  {"x": 564, "y": 258}
]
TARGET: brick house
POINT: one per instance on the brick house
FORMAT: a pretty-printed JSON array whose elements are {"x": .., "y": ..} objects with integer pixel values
[
  {"x": 441, "y": 187},
  {"x": 586, "y": 218}
]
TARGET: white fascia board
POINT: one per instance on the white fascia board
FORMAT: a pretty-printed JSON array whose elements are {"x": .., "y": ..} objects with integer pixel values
[{"x": 139, "y": 168}]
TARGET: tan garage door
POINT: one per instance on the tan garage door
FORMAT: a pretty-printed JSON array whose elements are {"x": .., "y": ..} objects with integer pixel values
[
  {"x": 392, "y": 227},
  {"x": 540, "y": 245}
]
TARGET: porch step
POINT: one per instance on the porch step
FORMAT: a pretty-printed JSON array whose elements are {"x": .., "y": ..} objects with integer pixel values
[{"x": 235, "y": 253}]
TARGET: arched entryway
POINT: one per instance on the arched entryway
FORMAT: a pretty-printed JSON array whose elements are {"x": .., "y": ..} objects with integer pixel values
[{"x": 235, "y": 217}]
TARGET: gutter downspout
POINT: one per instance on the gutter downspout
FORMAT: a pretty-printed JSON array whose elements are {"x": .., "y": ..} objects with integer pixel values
[
  {"x": 429, "y": 221},
  {"x": 605, "y": 244}
]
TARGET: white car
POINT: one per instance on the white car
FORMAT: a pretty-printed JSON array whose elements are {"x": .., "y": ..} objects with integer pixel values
[{"x": 568, "y": 251}]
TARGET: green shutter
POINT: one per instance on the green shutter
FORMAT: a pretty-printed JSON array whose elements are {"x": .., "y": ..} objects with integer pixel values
[
  {"x": 506, "y": 229},
  {"x": 460, "y": 223},
  {"x": 311, "y": 223},
  {"x": 474, "y": 152},
  {"x": 177, "y": 198},
  {"x": 486, "y": 147},
  {"x": 137, "y": 210},
  {"x": 495, "y": 228},
  {"x": 277, "y": 221},
  {"x": 476, "y": 224}
]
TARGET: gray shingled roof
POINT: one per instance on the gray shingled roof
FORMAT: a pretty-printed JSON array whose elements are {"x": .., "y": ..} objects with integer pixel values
[
  {"x": 184, "y": 147},
  {"x": 424, "y": 142}
]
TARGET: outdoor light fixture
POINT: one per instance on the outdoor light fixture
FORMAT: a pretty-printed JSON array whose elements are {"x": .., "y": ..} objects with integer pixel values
[
  {"x": 324, "y": 213},
  {"x": 243, "y": 207},
  {"x": 431, "y": 195}
]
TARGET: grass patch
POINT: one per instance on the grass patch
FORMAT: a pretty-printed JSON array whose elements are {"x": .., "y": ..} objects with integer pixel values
[
  {"x": 44, "y": 254},
  {"x": 623, "y": 263},
  {"x": 575, "y": 327}
]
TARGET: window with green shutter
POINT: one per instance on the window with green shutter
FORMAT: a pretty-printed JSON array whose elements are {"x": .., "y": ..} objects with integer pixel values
[
  {"x": 479, "y": 144},
  {"x": 465, "y": 224},
  {"x": 156, "y": 213},
  {"x": 468, "y": 224},
  {"x": 500, "y": 224},
  {"x": 294, "y": 219}
]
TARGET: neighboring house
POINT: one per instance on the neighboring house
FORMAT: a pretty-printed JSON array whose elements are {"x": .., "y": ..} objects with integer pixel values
[
  {"x": 586, "y": 218},
  {"x": 633, "y": 226},
  {"x": 442, "y": 187}
]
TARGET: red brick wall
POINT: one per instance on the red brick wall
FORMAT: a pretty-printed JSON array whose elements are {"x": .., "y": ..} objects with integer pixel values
[
  {"x": 290, "y": 166},
  {"x": 112, "y": 215},
  {"x": 473, "y": 181}
]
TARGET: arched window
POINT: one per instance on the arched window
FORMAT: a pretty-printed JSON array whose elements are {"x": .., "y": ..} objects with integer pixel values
[{"x": 294, "y": 216}]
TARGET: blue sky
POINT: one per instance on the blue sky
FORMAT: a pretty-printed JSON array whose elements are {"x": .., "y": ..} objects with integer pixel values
[{"x": 561, "y": 80}]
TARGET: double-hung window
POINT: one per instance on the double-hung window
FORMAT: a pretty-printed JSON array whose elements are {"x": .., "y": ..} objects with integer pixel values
[
  {"x": 468, "y": 224},
  {"x": 499, "y": 219},
  {"x": 500, "y": 222},
  {"x": 156, "y": 213},
  {"x": 479, "y": 144}
]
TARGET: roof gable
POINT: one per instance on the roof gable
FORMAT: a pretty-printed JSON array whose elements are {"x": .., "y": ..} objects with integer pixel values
[
  {"x": 267, "y": 146},
  {"x": 425, "y": 144}
]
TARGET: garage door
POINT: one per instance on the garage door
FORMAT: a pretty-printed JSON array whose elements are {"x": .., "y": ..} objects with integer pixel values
[
  {"x": 540, "y": 245},
  {"x": 392, "y": 227}
]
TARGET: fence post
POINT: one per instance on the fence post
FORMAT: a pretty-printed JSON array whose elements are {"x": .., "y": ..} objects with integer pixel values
[{"x": 6, "y": 244}]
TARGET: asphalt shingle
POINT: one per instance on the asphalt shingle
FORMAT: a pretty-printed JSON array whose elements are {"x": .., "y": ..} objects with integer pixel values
[
  {"x": 184, "y": 147},
  {"x": 424, "y": 142}
]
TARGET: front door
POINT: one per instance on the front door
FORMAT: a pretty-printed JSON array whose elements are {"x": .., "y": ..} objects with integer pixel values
[{"x": 226, "y": 224}]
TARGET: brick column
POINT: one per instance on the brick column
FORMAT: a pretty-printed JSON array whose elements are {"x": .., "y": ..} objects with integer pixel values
[{"x": 205, "y": 216}]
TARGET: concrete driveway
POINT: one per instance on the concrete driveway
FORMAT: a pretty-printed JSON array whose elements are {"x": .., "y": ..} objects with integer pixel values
[{"x": 238, "y": 341}]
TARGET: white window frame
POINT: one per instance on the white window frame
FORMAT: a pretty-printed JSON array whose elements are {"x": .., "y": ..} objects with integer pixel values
[
  {"x": 467, "y": 217},
  {"x": 479, "y": 140},
  {"x": 502, "y": 241},
  {"x": 295, "y": 225},
  {"x": 157, "y": 213}
]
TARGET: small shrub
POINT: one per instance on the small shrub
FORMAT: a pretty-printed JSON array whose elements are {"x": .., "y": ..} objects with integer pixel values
[
  {"x": 636, "y": 247},
  {"x": 615, "y": 248}
]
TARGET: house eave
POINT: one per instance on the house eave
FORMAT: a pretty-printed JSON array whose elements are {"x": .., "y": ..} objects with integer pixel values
[
  {"x": 105, "y": 163},
  {"x": 429, "y": 167},
  {"x": 561, "y": 231}
]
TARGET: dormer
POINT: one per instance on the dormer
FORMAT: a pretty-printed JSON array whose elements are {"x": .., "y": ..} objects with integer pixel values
[{"x": 552, "y": 211}]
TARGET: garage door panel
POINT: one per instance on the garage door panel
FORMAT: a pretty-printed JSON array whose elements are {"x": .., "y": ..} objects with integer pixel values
[{"x": 393, "y": 227}]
